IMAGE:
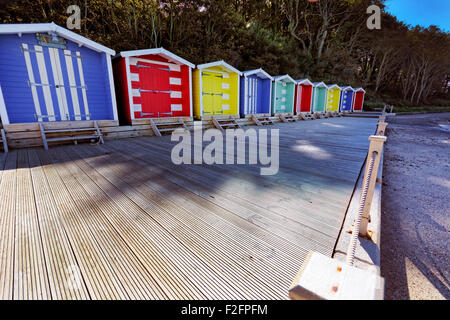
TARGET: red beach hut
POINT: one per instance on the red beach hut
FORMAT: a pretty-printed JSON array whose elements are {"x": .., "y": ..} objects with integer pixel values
[
  {"x": 153, "y": 83},
  {"x": 358, "y": 99},
  {"x": 303, "y": 95}
]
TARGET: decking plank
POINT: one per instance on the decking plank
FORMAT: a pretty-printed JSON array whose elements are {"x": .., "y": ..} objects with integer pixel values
[
  {"x": 196, "y": 271},
  {"x": 64, "y": 276},
  {"x": 173, "y": 216},
  {"x": 30, "y": 272},
  {"x": 100, "y": 280},
  {"x": 7, "y": 225},
  {"x": 138, "y": 283},
  {"x": 121, "y": 221}
]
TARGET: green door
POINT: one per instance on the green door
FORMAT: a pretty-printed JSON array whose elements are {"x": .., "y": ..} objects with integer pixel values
[
  {"x": 319, "y": 99},
  {"x": 282, "y": 97}
]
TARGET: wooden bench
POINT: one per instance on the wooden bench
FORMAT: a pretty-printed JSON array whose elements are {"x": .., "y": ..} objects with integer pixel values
[
  {"x": 70, "y": 133},
  {"x": 4, "y": 141},
  {"x": 166, "y": 127},
  {"x": 223, "y": 124}
]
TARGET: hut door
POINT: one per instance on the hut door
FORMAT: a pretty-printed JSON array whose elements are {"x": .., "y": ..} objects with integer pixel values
[
  {"x": 154, "y": 89},
  {"x": 252, "y": 95},
  {"x": 280, "y": 103},
  {"x": 212, "y": 93},
  {"x": 56, "y": 79}
]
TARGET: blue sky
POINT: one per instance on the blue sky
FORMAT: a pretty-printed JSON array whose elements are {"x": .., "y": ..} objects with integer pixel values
[{"x": 421, "y": 12}]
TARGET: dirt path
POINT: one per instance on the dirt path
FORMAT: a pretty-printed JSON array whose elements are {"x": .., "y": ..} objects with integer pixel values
[{"x": 415, "y": 239}]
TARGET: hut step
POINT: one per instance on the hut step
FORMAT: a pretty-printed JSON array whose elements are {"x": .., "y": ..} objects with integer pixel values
[
  {"x": 3, "y": 140},
  {"x": 69, "y": 134},
  {"x": 263, "y": 120},
  {"x": 287, "y": 118},
  {"x": 223, "y": 124},
  {"x": 159, "y": 127},
  {"x": 306, "y": 116}
]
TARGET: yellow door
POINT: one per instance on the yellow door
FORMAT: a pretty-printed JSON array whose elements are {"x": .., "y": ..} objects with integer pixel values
[
  {"x": 333, "y": 99},
  {"x": 212, "y": 93}
]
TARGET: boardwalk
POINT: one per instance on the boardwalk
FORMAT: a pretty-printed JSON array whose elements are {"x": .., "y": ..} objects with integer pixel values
[{"x": 120, "y": 221}]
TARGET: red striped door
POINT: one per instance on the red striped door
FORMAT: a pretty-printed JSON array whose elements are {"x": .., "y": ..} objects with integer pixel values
[{"x": 154, "y": 89}]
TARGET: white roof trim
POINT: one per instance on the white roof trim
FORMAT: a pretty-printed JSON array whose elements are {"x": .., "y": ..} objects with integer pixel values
[
  {"x": 283, "y": 77},
  {"x": 52, "y": 27},
  {"x": 256, "y": 71},
  {"x": 332, "y": 86},
  {"x": 160, "y": 51},
  {"x": 304, "y": 81},
  {"x": 319, "y": 84},
  {"x": 360, "y": 89},
  {"x": 218, "y": 64},
  {"x": 347, "y": 88}
]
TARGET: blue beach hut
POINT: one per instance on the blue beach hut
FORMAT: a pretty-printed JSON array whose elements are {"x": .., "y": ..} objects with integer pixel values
[
  {"x": 256, "y": 92},
  {"x": 346, "y": 99},
  {"x": 48, "y": 74}
]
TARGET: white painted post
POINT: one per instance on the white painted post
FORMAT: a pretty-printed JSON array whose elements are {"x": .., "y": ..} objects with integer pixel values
[
  {"x": 3, "y": 139},
  {"x": 381, "y": 130},
  {"x": 370, "y": 177},
  {"x": 375, "y": 149}
]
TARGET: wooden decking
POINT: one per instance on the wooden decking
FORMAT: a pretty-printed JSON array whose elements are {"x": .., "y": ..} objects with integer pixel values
[{"x": 120, "y": 221}]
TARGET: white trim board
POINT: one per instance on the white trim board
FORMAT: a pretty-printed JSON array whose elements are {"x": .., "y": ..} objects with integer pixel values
[
  {"x": 220, "y": 63},
  {"x": 111, "y": 86},
  {"x": 130, "y": 91},
  {"x": 157, "y": 51},
  {"x": 284, "y": 77},
  {"x": 3, "y": 112},
  {"x": 305, "y": 81},
  {"x": 260, "y": 72},
  {"x": 21, "y": 28}
]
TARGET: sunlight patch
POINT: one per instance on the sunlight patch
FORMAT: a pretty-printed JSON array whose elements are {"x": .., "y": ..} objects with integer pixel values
[
  {"x": 333, "y": 125},
  {"x": 313, "y": 152}
]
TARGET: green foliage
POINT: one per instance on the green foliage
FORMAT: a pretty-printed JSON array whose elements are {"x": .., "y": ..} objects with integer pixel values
[{"x": 327, "y": 40}]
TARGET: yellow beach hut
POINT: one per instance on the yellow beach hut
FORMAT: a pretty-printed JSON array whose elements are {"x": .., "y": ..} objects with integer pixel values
[
  {"x": 216, "y": 90},
  {"x": 333, "y": 98}
]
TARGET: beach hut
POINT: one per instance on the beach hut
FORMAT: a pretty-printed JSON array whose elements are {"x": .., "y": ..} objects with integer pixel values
[
  {"x": 152, "y": 83},
  {"x": 346, "y": 99},
  {"x": 216, "y": 90},
  {"x": 256, "y": 93},
  {"x": 333, "y": 98},
  {"x": 283, "y": 91},
  {"x": 358, "y": 99},
  {"x": 303, "y": 96},
  {"x": 319, "y": 96},
  {"x": 51, "y": 74}
]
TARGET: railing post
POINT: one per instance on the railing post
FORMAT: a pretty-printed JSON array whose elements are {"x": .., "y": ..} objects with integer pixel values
[
  {"x": 375, "y": 151},
  {"x": 365, "y": 201},
  {"x": 381, "y": 128},
  {"x": 384, "y": 109}
]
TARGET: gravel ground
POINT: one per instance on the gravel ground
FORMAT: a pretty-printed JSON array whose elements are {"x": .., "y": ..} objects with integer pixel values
[{"x": 415, "y": 237}]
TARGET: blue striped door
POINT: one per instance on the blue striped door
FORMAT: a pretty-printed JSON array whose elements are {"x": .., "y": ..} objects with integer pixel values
[{"x": 56, "y": 80}]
